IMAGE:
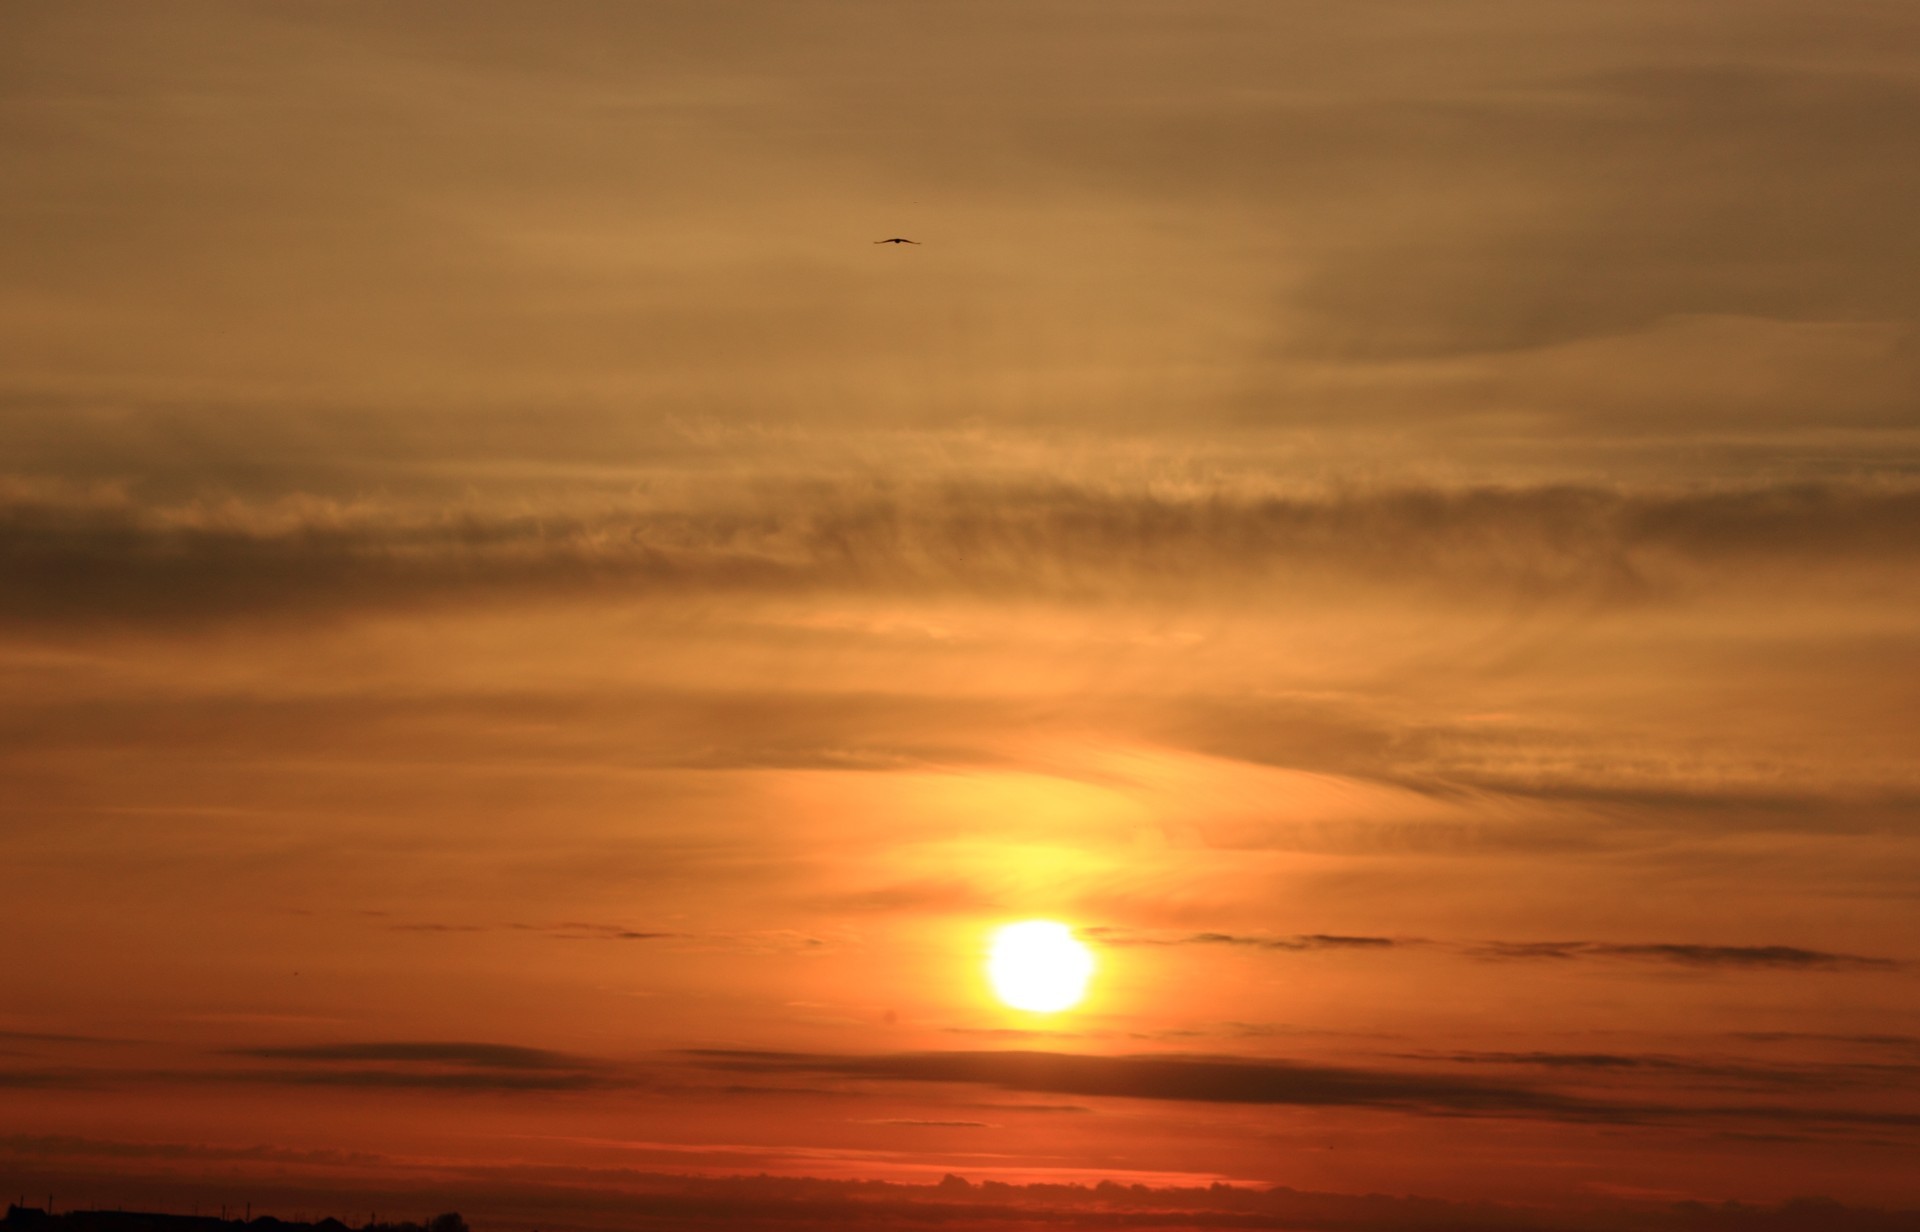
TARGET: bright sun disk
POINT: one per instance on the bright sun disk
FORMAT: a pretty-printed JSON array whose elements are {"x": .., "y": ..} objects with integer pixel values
[{"x": 1037, "y": 965}]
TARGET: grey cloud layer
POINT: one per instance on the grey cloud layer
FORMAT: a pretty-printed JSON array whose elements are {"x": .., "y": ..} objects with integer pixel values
[{"x": 113, "y": 564}]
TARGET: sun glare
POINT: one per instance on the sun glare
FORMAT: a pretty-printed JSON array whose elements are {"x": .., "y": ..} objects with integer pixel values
[{"x": 1037, "y": 965}]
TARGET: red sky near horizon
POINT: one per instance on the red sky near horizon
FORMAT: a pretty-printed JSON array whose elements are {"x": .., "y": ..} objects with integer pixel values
[{"x": 535, "y": 655}]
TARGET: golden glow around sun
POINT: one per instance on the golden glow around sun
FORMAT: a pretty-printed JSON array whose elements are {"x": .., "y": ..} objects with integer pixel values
[{"x": 1037, "y": 965}]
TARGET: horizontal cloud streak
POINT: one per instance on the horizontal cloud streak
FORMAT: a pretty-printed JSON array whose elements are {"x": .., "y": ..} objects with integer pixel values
[
  {"x": 422, "y": 1065},
  {"x": 488, "y": 1056},
  {"x": 118, "y": 562},
  {"x": 1226, "y": 1080},
  {"x": 1736, "y": 957},
  {"x": 1776, "y": 957},
  {"x": 1614, "y": 1066},
  {"x": 1303, "y": 941},
  {"x": 1195, "y": 1079}
]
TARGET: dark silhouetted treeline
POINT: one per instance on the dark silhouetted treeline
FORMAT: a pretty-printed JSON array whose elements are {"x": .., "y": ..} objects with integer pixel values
[
  {"x": 778, "y": 1204},
  {"x": 33, "y": 1219}
]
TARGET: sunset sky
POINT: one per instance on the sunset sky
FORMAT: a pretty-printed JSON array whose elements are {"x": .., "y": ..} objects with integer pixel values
[{"x": 535, "y": 655}]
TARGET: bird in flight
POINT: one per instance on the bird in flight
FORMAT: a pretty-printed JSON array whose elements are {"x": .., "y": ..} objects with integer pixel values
[{"x": 896, "y": 240}]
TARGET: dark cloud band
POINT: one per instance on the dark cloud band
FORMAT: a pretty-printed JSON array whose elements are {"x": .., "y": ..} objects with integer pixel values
[{"x": 121, "y": 562}]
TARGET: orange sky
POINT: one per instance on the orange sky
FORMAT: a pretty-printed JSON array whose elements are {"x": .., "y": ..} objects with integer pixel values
[{"x": 533, "y": 654}]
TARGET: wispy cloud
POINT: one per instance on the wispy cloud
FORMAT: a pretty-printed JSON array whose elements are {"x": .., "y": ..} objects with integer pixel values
[
  {"x": 1296, "y": 942},
  {"x": 1896, "y": 1043},
  {"x": 581, "y": 931},
  {"x": 55, "y": 1037},
  {"x": 1735, "y": 957},
  {"x": 1731, "y": 957},
  {"x": 1659, "y": 1067}
]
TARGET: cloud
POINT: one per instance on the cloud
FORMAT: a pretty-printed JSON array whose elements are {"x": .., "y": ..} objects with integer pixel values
[
  {"x": 488, "y": 1056},
  {"x": 1297, "y": 942},
  {"x": 37, "y": 1079},
  {"x": 1736, "y": 957},
  {"x": 118, "y": 562},
  {"x": 1561, "y": 1060},
  {"x": 755, "y": 940},
  {"x": 423, "y": 1065},
  {"x": 1711, "y": 189},
  {"x": 577, "y": 931},
  {"x": 66, "y": 1145},
  {"x": 1897, "y": 1043},
  {"x": 1226, "y": 1080},
  {"x": 1196, "y": 1079},
  {"x": 1812, "y": 1077},
  {"x": 55, "y": 1037},
  {"x": 481, "y": 1081}
]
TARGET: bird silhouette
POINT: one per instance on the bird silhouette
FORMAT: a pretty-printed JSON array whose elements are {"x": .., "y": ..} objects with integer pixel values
[{"x": 896, "y": 240}]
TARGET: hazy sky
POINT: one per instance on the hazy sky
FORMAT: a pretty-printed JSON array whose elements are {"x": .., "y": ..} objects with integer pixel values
[{"x": 534, "y": 654}]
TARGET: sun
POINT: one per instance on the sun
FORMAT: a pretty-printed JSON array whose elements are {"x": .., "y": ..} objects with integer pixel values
[{"x": 1037, "y": 965}]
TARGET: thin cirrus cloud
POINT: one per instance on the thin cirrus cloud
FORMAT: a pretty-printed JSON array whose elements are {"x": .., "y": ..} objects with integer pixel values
[
  {"x": 1735, "y": 957},
  {"x": 573, "y": 931},
  {"x": 54, "y": 1037},
  {"x": 761, "y": 940},
  {"x": 451, "y": 1066},
  {"x": 1716, "y": 1071},
  {"x": 44, "y": 1147},
  {"x": 1298, "y": 942},
  {"x": 1732, "y": 957},
  {"x": 452, "y": 1082},
  {"x": 1896, "y": 1043}
]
